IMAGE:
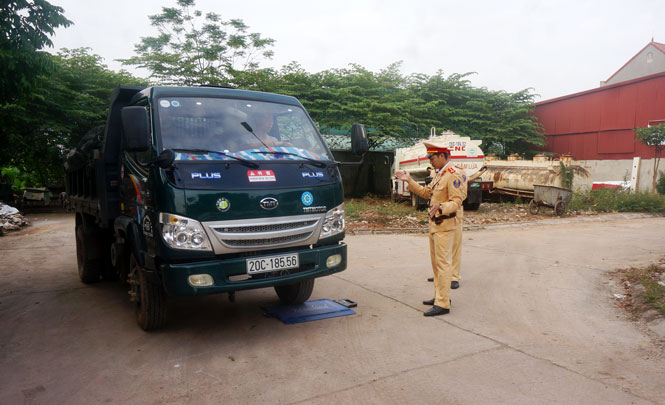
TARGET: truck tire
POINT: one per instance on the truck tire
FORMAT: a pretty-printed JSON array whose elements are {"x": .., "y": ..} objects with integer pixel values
[
  {"x": 471, "y": 206},
  {"x": 109, "y": 273},
  {"x": 86, "y": 258},
  {"x": 148, "y": 296},
  {"x": 295, "y": 293},
  {"x": 414, "y": 200}
]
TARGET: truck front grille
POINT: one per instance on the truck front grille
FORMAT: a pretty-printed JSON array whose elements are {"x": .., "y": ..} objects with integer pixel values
[
  {"x": 267, "y": 241},
  {"x": 264, "y": 228},
  {"x": 263, "y": 233}
]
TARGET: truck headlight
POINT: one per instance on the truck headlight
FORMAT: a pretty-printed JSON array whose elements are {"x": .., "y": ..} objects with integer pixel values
[
  {"x": 183, "y": 233},
  {"x": 333, "y": 223}
]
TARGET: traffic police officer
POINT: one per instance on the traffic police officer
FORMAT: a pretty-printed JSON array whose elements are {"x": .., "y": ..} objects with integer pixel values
[
  {"x": 457, "y": 242},
  {"x": 446, "y": 193}
]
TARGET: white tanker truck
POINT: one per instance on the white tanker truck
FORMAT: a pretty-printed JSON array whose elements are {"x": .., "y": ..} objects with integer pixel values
[
  {"x": 466, "y": 156},
  {"x": 512, "y": 177}
]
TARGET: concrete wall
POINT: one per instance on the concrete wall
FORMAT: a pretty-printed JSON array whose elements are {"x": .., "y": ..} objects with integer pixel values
[
  {"x": 641, "y": 65},
  {"x": 617, "y": 170}
]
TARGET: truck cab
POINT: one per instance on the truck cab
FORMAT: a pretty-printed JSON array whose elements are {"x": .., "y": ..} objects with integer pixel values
[{"x": 203, "y": 190}]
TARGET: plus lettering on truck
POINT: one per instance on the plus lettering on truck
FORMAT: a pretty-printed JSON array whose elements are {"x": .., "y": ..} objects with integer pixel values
[{"x": 193, "y": 191}]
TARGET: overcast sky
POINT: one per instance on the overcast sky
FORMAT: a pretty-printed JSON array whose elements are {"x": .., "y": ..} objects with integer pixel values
[{"x": 555, "y": 47}]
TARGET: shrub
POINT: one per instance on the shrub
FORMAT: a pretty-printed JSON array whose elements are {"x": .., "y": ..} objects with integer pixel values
[
  {"x": 660, "y": 185},
  {"x": 16, "y": 178},
  {"x": 613, "y": 200}
]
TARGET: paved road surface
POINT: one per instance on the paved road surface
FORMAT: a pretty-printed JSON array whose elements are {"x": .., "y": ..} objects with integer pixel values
[{"x": 533, "y": 322}]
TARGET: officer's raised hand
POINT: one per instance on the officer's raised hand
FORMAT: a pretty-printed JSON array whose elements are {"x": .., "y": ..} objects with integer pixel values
[{"x": 403, "y": 175}]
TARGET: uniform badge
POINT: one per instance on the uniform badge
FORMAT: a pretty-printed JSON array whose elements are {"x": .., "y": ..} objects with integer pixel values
[
  {"x": 464, "y": 177},
  {"x": 451, "y": 170},
  {"x": 457, "y": 183}
]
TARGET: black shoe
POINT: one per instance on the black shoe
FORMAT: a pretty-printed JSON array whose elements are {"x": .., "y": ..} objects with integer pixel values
[
  {"x": 436, "y": 310},
  {"x": 429, "y": 302},
  {"x": 431, "y": 279},
  {"x": 454, "y": 285}
]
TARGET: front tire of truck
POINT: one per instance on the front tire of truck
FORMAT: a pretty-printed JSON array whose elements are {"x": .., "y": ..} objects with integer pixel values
[
  {"x": 88, "y": 264},
  {"x": 148, "y": 296},
  {"x": 295, "y": 293}
]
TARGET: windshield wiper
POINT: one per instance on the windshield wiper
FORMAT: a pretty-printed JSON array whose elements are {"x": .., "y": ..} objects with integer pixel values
[
  {"x": 241, "y": 160},
  {"x": 316, "y": 163}
]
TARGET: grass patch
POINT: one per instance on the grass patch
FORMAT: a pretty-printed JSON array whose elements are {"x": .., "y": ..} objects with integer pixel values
[
  {"x": 650, "y": 278},
  {"x": 380, "y": 210},
  {"x": 612, "y": 200}
]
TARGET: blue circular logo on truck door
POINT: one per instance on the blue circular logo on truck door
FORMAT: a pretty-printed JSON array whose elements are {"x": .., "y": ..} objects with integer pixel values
[{"x": 307, "y": 198}]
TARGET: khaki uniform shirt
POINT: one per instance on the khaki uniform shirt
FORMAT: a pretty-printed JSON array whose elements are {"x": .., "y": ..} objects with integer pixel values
[{"x": 447, "y": 189}]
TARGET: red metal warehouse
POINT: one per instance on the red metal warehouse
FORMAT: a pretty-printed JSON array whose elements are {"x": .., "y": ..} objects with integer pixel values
[{"x": 598, "y": 126}]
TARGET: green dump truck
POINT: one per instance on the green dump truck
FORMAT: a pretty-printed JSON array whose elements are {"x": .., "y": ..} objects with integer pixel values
[{"x": 202, "y": 190}]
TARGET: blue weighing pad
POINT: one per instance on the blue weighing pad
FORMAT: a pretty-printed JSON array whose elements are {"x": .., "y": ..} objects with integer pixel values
[{"x": 307, "y": 311}]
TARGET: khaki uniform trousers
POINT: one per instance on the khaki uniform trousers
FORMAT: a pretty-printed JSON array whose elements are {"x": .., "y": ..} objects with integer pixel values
[
  {"x": 440, "y": 249},
  {"x": 457, "y": 250}
]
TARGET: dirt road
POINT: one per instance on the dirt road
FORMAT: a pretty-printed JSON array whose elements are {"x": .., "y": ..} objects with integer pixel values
[{"x": 533, "y": 322}]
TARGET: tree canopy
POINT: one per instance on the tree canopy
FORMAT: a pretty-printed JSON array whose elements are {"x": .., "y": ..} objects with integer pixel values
[
  {"x": 393, "y": 105},
  {"x": 50, "y": 101},
  {"x": 62, "y": 107},
  {"x": 25, "y": 27},
  {"x": 192, "y": 48}
]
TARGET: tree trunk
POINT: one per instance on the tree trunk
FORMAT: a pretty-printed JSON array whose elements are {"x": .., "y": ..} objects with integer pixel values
[{"x": 656, "y": 163}]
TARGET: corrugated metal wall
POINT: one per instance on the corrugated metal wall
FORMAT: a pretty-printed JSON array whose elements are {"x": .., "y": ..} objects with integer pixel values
[{"x": 600, "y": 124}]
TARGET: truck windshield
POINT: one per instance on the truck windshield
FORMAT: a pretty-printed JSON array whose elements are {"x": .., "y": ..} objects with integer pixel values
[{"x": 247, "y": 129}]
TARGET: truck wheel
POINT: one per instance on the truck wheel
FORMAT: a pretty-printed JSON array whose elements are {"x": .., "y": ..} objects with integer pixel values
[
  {"x": 472, "y": 206},
  {"x": 88, "y": 268},
  {"x": 295, "y": 293},
  {"x": 148, "y": 297},
  {"x": 109, "y": 273},
  {"x": 414, "y": 200}
]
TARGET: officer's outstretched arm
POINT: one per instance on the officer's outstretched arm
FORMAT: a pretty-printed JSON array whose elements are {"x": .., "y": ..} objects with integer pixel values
[{"x": 424, "y": 192}]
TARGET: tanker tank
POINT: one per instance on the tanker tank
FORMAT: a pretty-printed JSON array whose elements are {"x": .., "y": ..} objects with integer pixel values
[{"x": 516, "y": 177}]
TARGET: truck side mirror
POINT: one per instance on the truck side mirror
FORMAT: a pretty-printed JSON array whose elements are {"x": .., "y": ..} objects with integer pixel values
[
  {"x": 135, "y": 130},
  {"x": 359, "y": 144},
  {"x": 165, "y": 159}
]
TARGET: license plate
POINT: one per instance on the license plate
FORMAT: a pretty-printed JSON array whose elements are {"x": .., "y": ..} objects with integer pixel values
[{"x": 272, "y": 263}]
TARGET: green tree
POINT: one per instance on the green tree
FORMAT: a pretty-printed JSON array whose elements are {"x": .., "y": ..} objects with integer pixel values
[
  {"x": 192, "y": 48},
  {"x": 62, "y": 107},
  {"x": 25, "y": 27},
  {"x": 654, "y": 137},
  {"x": 392, "y": 105}
]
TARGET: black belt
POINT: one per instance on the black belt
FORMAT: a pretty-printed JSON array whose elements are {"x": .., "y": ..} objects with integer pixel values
[{"x": 440, "y": 218}]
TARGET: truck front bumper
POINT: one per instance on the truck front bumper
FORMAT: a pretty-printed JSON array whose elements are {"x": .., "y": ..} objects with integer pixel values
[{"x": 231, "y": 274}]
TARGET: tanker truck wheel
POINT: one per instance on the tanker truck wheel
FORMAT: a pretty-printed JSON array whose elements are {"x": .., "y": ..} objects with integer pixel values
[
  {"x": 414, "y": 200},
  {"x": 560, "y": 208},
  {"x": 86, "y": 256},
  {"x": 533, "y": 207},
  {"x": 295, "y": 293},
  {"x": 148, "y": 297}
]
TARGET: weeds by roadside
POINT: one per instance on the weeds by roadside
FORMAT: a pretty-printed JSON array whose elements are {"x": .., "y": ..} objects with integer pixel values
[
  {"x": 384, "y": 212},
  {"x": 644, "y": 290},
  {"x": 651, "y": 278},
  {"x": 612, "y": 200}
]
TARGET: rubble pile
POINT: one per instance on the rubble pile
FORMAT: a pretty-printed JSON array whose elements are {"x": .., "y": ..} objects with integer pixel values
[{"x": 11, "y": 219}]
